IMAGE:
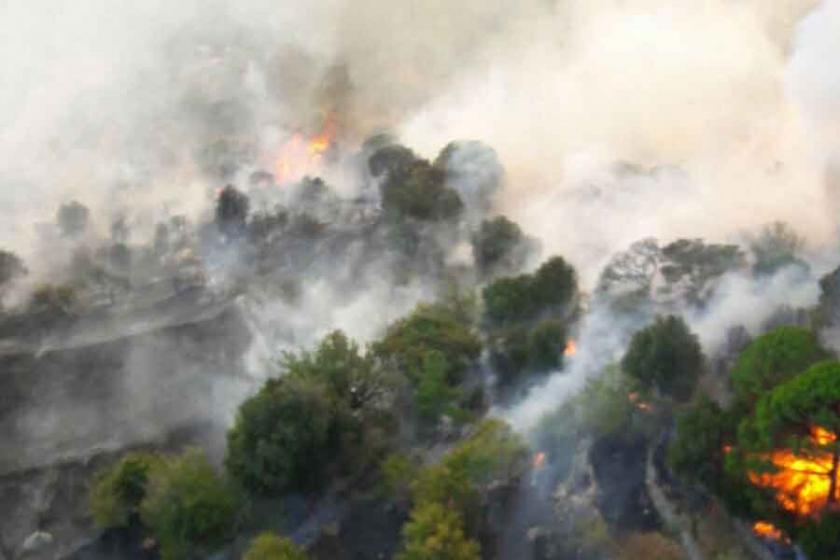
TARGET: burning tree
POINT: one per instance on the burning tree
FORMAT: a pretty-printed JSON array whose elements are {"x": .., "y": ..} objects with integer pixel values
[{"x": 792, "y": 441}]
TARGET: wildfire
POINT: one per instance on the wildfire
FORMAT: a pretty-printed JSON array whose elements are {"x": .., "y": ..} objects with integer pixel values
[
  {"x": 538, "y": 461},
  {"x": 768, "y": 531},
  {"x": 637, "y": 401},
  {"x": 802, "y": 483},
  {"x": 301, "y": 156},
  {"x": 571, "y": 348}
]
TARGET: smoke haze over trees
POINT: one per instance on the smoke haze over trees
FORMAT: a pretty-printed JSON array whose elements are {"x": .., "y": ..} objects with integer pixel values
[{"x": 419, "y": 279}]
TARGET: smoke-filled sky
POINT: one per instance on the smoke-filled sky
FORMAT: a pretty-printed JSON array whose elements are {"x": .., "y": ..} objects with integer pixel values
[{"x": 735, "y": 102}]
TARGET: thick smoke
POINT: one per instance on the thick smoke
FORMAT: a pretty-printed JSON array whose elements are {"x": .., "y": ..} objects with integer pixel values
[{"x": 613, "y": 121}]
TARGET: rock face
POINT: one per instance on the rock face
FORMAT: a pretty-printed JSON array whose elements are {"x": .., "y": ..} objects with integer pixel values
[{"x": 160, "y": 379}]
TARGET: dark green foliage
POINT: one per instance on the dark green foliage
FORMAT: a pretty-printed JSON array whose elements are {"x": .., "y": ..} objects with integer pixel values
[
  {"x": 330, "y": 411},
  {"x": 11, "y": 267},
  {"x": 774, "y": 357},
  {"x": 434, "y": 395},
  {"x": 604, "y": 408},
  {"x": 518, "y": 350},
  {"x": 551, "y": 290},
  {"x": 231, "y": 210},
  {"x": 117, "y": 491},
  {"x": 628, "y": 278},
  {"x": 498, "y": 246},
  {"x": 818, "y": 538},
  {"x": 554, "y": 283},
  {"x": 546, "y": 343},
  {"x": 703, "y": 433},
  {"x": 785, "y": 414},
  {"x": 492, "y": 454},
  {"x": 430, "y": 328},
  {"x": 412, "y": 187},
  {"x": 280, "y": 438},
  {"x": 398, "y": 470},
  {"x": 436, "y": 532},
  {"x": 689, "y": 270},
  {"x": 775, "y": 247},
  {"x": 509, "y": 353},
  {"x": 665, "y": 356},
  {"x": 510, "y": 300},
  {"x": 188, "y": 507},
  {"x": 689, "y": 267},
  {"x": 56, "y": 299},
  {"x": 268, "y": 546},
  {"x": 72, "y": 218}
]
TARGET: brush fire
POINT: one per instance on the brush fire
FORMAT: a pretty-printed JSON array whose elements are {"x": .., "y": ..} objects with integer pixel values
[
  {"x": 768, "y": 531},
  {"x": 300, "y": 156},
  {"x": 803, "y": 483},
  {"x": 571, "y": 348}
]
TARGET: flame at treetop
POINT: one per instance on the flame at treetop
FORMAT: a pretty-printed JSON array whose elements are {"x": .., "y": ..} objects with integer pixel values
[
  {"x": 571, "y": 348},
  {"x": 768, "y": 531},
  {"x": 300, "y": 156},
  {"x": 802, "y": 482},
  {"x": 538, "y": 461}
]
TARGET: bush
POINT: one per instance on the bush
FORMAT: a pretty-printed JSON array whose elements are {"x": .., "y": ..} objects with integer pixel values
[
  {"x": 498, "y": 246},
  {"x": 551, "y": 290},
  {"x": 430, "y": 328},
  {"x": 332, "y": 409},
  {"x": 666, "y": 357},
  {"x": 268, "y": 546},
  {"x": 697, "y": 451},
  {"x": 437, "y": 533},
  {"x": 118, "y": 490},
  {"x": 190, "y": 510},
  {"x": 280, "y": 438},
  {"x": 398, "y": 470},
  {"x": 434, "y": 395}
]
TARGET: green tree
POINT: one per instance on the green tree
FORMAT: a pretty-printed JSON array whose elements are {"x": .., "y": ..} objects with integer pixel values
[
  {"x": 268, "y": 546},
  {"x": 429, "y": 328},
  {"x": 787, "y": 416},
  {"x": 117, "y": 491},
  {"x": 434, "y": 395},
  {"x": 704, "y": 432},
  {"x": 280, "y": 439},
  {"x": 604, "y": 407},
  {"x": 555, "y": 284},
  {"x": 774, "y": 357},
  {"x": 330, "y": 413},
  {"x": 189, "y": 508},
  {"x": 498, "y": 245},
  {"x": 546, "y": 343},
  {"x": 510, "y": 300},
  {"x": 492, "y": 454},
  {"x": 437, "y": 533},
  {"x": 413, "y": 187},
  {"x": 398, "y": 471},
  {"x": 776, "y": 246},
  {"x": 665, "y": 356},
  {"x": 551, "y": 290}
]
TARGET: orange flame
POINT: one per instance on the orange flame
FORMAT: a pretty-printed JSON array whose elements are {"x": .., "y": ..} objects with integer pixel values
[
  {"x": 637, "y": 401},
  {"x": 300, "y": 156},
  {"x": 571, "y": 348},
  {"x": 538, "y": 461},
  {"x": 802, "y": 482},
  {"x": 768, "y": 531}
]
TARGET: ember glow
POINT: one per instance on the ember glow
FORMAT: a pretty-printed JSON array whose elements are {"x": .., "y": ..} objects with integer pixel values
[
  {"x": 538, "y": 461},
  {"x": 637, "y": 401},
  {"x": 802, "y": 482},
  {"x": 301, "y": 156},
  {"x": 768, "y": 531},
  {"x": 571, "y": 348}
]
